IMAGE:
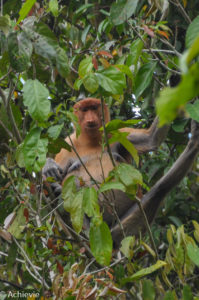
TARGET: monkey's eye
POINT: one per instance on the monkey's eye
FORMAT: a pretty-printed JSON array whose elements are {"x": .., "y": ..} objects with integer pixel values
[{"x": 84, "y": 109}]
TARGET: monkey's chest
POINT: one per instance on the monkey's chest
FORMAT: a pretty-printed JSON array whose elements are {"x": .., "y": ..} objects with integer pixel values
[
  {"x": 93, "y": 167},
  {"x": 96, "y": 168}
]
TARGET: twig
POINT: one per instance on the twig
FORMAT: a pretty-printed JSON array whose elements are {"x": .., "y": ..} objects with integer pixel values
[
  {"x": 19, "y": 260},
  {"x": 147, "y": 225},
  {"x": 181, "y": 10},
  {"x": 154, "y": 54},
  {"x": 4, "y": 76},
  {"x": 7, "y": 130},
  {"x": 107, "y": 267},
  {"x": 37, "y": 276},
  {"x": 105, "y": 134}
]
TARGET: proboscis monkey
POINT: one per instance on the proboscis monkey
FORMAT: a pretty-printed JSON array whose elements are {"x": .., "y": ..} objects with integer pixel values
[{"x": 88, "y": 145}]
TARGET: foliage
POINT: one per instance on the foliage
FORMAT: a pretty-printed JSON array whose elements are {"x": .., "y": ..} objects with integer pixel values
[{"x": 124, "y": 52}]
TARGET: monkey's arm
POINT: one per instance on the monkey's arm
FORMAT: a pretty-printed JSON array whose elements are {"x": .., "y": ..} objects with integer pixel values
[
  {"x": 146, "y": 140},
  {"x": 132, "y": 221}
]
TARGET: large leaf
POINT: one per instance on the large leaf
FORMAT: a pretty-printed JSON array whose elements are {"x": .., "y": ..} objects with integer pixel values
[
  {"x": 90, "y": 202},
  {"x": 34, "y": 150},
  {"x": 192, "y": 32},
  {"x": 112, "y": 80},
  {"x": 62, "y": 62},
  {"x": 53, "y": 6},
  {"x": 101, "y": 242},
  {"x": 117, "y": 124},
  {"x": 146, "y": 271},
  {"x": 172, "y": 99},
  {"x": 193, "y": 253},
  {"x": 18, "y": 224},
  {"x": 107, "y": 186},
  {"x": 19, "y": 50},
  {"x": 193, "y": 110},
  {"x": 25, "y": 10},
  {"x": 85, "y": 66},
  {"x": 129, "y": 176},
  {"x": 122, "y": 11},
  {"x": 73, "y": 202},
  {"x": 36, "y": 99},
  {"x": 148, "y": 290},
  {"x": 91, "y": 83},
  {"x": 5, "y": 24},
  {"x": 135, "y": 51},
  {"x": 121, "y": 137},
  {"x": 143, "y": 78}
]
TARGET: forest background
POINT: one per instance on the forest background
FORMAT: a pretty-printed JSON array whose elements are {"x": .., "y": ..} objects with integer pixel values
[{"x": 141, "y": 57}]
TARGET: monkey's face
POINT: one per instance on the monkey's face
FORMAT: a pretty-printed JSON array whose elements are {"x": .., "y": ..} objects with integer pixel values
[{"x": 89, "y": 115}]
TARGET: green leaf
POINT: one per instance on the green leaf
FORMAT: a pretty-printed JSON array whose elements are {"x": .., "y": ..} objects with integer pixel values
[
  {"x": 101, "y": 242},
  {"x": 193, "y": 110},
  {"x": 62, "y": 62},
  {"x": 77, "y": 212},
  {"x": 19, "y": 156},
  {"x": 25, "y": 10},
  {"x": 107, "y": 186},
  {"x": 84, "y": 33},
  {"x": 19, "y": 50},
  {"x": 117, "y": 124},
  {"x": 36, "y": 99},
  {"x": 127, "y": 246},
  {"x": 121, "y": 137},
  {"x": 85, "y": 66},
  {"x": 5, "y": 24},
  {"x": 112, "y": 80},
  {"x": 125, "y": 69},
  {"x": 122, "y": 11},
  {"x": 68, "y": 192},
  {"x": 146, "y": 271},
  {"x": 172, "y": 99},
  {"x": 143, "y": 78},
  {"x": 73, "y": 202},
  {"x": 34, "y": 150},
  {"x": 90, "y": 202},
  {"x": 187, "y": 294},
  {"x": 192, "y": 32},
  {"x": 53, "y": 6},
  {"x": 17, "y": 226},
  {"x": 196, "y": 231},
  {"x": 148, "y": 290},
  {"x": 135, "y": 51},
  {"x": 54, "y": 131},
  {"x": 193, "y": 253},
  {"x": 91, "y": 83},
  {"x": 170, "y": 295}
]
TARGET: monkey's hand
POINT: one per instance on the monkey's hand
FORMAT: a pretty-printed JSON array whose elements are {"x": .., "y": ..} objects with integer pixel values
[{"x": 52, "y": 169}]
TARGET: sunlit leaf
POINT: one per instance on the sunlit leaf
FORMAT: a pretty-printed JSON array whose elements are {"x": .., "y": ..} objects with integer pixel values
[
  {"x": 53, "y": 5},
  {"x": 107, "y": 186},
  {"x": 18, "y": 224},
  {"x": 127, "y": 246},
  {"x": 25, "y": 10},
  {"x": 5, "y": 24},
  {"x": 54, "y": 131},
  {"x": 146, "y": 271},
  {"x": 91, "y": 83},
  {"x": 85, "y": 66}
]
